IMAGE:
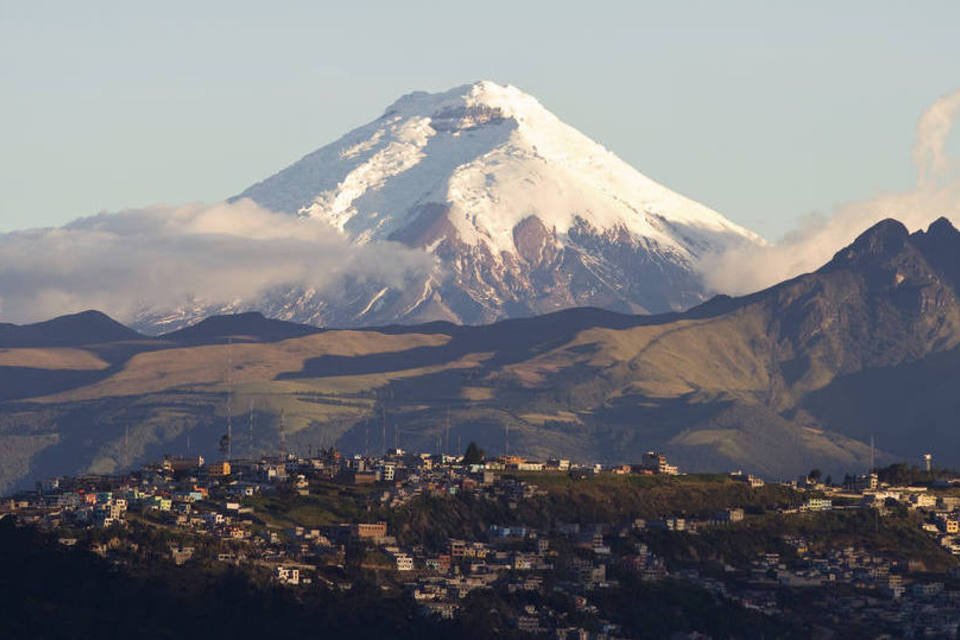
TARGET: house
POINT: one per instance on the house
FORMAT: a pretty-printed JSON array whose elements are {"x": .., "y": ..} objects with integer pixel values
[
  {"x": 287, "y": 575},
  {"x": 182, "y": 465},
  {"x": 440, "y": 564},
  {"x": 275, "y": 471},
  {"x": 523, "y": 561},
  {"x": 817, "y": 504},
  {"x": 404, "y": 561},
  {"x": 219, "y": 469},
  {"x": 508, "y": 532},
  {"x": 730, "y": 515},
  {"x": 753, "y": 481},
  {"x": 369, "y": 531},
  {"x": 366, "y": 477},
  {"x": 237, "y": 533},
  {"x": 213, "y": 519},
  {"x": 529, "y": 465},
  {"x": 462, "y": 549},
  {"x": 947, "y": 523},
  {"x": 657, "y": 463},
  {"x": 672, "y": 523},
  {"x": 593, "y": 574},
  {"x": 922, "y": 501},
  {"x": 862, "y": 482},
  {"x": 948, "y": 503}
]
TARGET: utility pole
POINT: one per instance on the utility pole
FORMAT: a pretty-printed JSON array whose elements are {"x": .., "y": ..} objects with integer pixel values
[
  {"x": 446, "y": 446},
  {"x": 873, "y": 466},
  {"x": 251, "y": 427},
  {"x": 383, "y": 427},
  {"x": 229, "y": 451}
]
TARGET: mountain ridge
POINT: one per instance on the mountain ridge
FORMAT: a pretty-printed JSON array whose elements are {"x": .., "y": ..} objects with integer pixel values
[
  {"x": 797, "y": 376},
  {"x": 85, "y": 327}
]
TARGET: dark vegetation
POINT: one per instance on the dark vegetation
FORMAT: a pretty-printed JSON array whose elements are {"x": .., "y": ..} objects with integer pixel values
[
  {"x": 50, "y": 591},
  {"x": 430, "y": 520},
  {"x": 903, "y": 474},
  {"x": 896, "y": 535}
]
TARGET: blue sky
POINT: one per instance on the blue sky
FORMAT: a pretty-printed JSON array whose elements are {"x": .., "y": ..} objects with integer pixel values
[{"x": 765, "y": 111}]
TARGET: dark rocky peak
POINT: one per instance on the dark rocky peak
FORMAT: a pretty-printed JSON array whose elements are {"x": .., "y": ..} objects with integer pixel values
[
  {"x": 943, "y": 226},
  {"x": 941, "y": 234},
  {"x": 874, "y": 247},
  {"x": 884, "y": 257},
  {"x": 940, "y": 245},
  {"x": 86, "y": 327},
  {"x": 250, "y": 326}
]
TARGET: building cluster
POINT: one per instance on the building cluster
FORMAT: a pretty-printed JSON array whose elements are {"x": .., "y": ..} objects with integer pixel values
[
  {"x": 217, "y": 509},
  {"x": 852, "y": 586},
  {"x": 221, "y": 511},
  {"x": 937, "y": 506}
]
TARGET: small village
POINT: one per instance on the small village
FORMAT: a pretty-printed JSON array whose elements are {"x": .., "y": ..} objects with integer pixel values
[{"x": 225, "y": 512}]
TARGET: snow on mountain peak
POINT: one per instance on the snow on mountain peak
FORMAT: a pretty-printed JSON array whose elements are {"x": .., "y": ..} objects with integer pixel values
[
  {"x": 522, "y": 213},
  {"x": 491, "y": 156},
  {"x": 508, "y": 100}
]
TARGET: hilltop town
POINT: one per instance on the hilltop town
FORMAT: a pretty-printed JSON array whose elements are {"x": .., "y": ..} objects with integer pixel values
[{"x": 554, "y": 541}]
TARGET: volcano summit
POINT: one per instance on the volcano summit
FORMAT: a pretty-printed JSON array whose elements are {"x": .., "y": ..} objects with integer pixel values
[{"x": 522, "y": 213}]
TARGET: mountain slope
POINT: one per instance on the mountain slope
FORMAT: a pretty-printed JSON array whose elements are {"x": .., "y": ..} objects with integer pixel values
[
  {"x": 842, "y": 350},
  {"x": 524, "y": 214},
  {"x": 87, "y": 327},
  {"x": 243, "y": 327},
  {"x": 798, "y": 376}
]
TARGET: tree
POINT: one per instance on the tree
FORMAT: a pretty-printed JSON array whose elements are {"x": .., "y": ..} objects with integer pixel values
[
  {"x": 815, "y": 475},
  {"x": 473, "y": 454}
]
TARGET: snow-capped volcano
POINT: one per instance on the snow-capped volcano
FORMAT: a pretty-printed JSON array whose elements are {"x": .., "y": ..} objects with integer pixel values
[
  {"x": 524, "y": 214},
  {"x": 492, "y": 155}
]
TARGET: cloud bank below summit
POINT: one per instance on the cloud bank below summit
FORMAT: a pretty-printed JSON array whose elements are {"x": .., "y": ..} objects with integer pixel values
[
  {"x": 937, "y": 193},
  {"x": 163, "y": 256},
  {"x": 224, "y": 255}
]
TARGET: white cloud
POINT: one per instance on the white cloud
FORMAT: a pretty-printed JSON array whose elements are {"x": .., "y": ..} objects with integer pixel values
[
  {"x": 937, "y": 193},
  {"x": 933, "y": 130},
  {"x": 158, "y": 257}
]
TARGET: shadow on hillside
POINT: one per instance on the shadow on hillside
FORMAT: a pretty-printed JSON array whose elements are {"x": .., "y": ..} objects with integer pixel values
[
  {"x": 18, "y": 383},
  {"x": 909, "y": 409}
]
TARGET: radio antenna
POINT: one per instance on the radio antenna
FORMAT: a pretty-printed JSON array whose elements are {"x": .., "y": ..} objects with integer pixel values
[{"x": 229, "y": 447}]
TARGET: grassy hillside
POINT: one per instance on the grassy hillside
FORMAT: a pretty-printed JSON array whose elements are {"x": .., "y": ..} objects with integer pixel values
[{"x": 794, "y": 377}]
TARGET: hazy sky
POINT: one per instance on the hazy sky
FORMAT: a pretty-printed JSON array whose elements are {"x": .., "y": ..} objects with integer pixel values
[{"x": 765, "y": 111}]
